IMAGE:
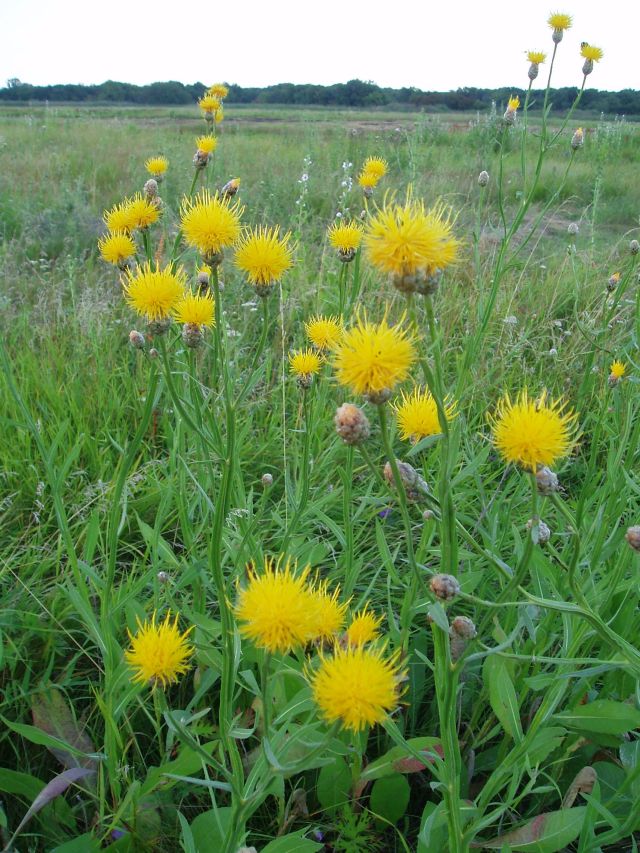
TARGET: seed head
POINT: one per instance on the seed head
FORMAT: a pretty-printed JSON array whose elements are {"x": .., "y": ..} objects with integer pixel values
[
  {"x": 444, "y": 587},
  {"x": 352, "y": 425}
]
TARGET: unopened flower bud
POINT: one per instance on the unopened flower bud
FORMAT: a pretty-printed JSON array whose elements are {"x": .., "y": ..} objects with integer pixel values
[
  {"x": 153, "y": 353},
  {"x": 163, "y": 577},
  {"x": 463, "y": 627},
  {"x": 413, "y": 483},
  {"x": 428, "y": 515},
  {"x": 573, "y": 229},
  {"x": 352, "y": 425},
  {"x": 203, "y": 280},
  {"x": 633, "y": 537},
  {"x": 634, "y": 247},
  {"x": 200, "y": 159},
  {"x": 613, "y": 282},
  {"x": 444, "y": 587},
  {"x": 546, "y": 481},
  {"x": 544, "y": 532},
  {"x": 483, "y": 178},
  {"x": 266, "y": 480},
  {"x": 192, "y": 335},
  {"x": 230, "y": 188},
  {"x": 151, "y": 188},
  {"x": 136, "y": 339},
  {"x": 577, "y": 140}
]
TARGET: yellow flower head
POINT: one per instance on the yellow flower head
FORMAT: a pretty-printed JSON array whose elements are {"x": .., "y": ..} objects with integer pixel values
[
  {"x": 375, "y": 166},
  {"x": 159, "y": 653},
  {"x": 536, "y": 57},
  {"x": 219, "y": 91},
  {"x": 324, "y": 332},
  {"x": 372, "y": 358},
  {"x": 345, "y": 236},
  {"x": 513, "y": 103},
  {"x": 195, "y": 308},
  {"x": 304, "y": 362},
  {"x": 402, "y": 239},
  {"x": 276, "y": 608},
  {"x": 116, "y": 248},
  {"x": 156, "y": 166},
  {"x": 263, "y": 255},
  {"x": 206, "y": 144},
  {"x": 118, "y": 217},
  {"x": 532, "y": 432},
  {"x": 142, "y": 212},
  {"x": 210, "y": 223},
  {"x": 417, "y": 415},
  {"x": 590, "y": 51},
  {"x": 357, "y": 686},
  {"x": 219, "y": 114},
  {"x": 559, "y": 21},
  {"x": 208, "y": 103},
  {"x": 364, "y": 628},
  {"x": 368, "y": 180},
  {"x": 329, "y": 613},
  {"x": 618, "y": 369},
  {"x": 153, "y": 292}
]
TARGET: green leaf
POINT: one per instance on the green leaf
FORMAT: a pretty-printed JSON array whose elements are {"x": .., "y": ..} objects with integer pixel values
[
  {"x": 293, "y": 843},
  {"x": 390, "y": 797},
  {"x": 83, "y": 844},
  {"x": 502, "y": 696},
  {"x": 433, "y": 828},
  {"x": 31, "y": 733},
  {"x": 546, "y": 833},
  {"x": 602, "y": 716},
  {"x": 210, "y": 829},
  {"x": 402, "y": 759},
  {"x": 334, "y": 785}
]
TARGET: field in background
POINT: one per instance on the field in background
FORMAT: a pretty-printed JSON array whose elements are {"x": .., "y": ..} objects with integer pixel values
[{"x": 66, "y": 329}]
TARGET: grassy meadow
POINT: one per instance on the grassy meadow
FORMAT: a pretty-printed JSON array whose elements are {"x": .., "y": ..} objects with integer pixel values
[{"x": 134, "y": 486}]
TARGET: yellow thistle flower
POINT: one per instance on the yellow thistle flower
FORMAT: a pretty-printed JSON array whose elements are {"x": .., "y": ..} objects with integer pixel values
[
  {"x": 591, "y": 52},
  {"x": 219, "y": 91},
  {"x": 357, "y": 686},
  {"x": 142, "y": 211},
  {"x": 116, "y": 248},
  {"x": 559, "y": 21},
  {"x": 219, "y": 114},
  {"x": 417, "y": 415},
  {"x": 372, "y": 358},
  {"x": 368, "y": 180},
  {"x": 304, "y": 362},
  {"x": 276, "y": 608},
  {"x": 156, "y": 166},
  {"x": 532, "y": 433},
  {"x": 119, "y": 218},
  {"x": 324, "y": 332},
  {"x": 618, "y": 369},
  {"x": 536, "y": 57},
  {"x": 345, "y": 236},
  {"x": 263, "y": 255},
  {"x": 206, "y": 144},
  {"x": 375, "y": 166},
  {"x": 208, "y": 103},
  {"x": 159, "y": 653},
  {"x": 195, "y": 308},
  {"x": 364, "y": 628},
  {"x": 403, "y": 239},
  {"x": 210, "y": 223},
  {"x": 513, "y": 103},
  {"x": 329, "y": 613},
  {"x": 154, "y": 293}
]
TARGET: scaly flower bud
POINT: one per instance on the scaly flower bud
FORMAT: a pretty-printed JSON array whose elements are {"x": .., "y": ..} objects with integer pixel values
[
  {"x": 413, "y": 483},
  {"x": 136, "y": 339},
  {"x": 483, "y": 178},
  {"x": 544, "y": 532},
  {"x": 546, "y": 481},
  {"x": 444, "y": 587},
  {"x": 577, "y": 140},
  {"x": 352, "y": 425},
  {"x": 633, "y": 537}
]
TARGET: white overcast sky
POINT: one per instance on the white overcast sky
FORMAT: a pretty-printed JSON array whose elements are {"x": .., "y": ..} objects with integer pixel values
[{"x": 437, "y": 46}]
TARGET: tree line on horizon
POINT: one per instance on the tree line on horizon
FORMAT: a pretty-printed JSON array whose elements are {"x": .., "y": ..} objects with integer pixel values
[{"x": 354, "y": 93}]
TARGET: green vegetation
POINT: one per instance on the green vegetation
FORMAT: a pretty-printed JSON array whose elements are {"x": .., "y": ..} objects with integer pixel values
[{"x": 132, "y": 485}]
